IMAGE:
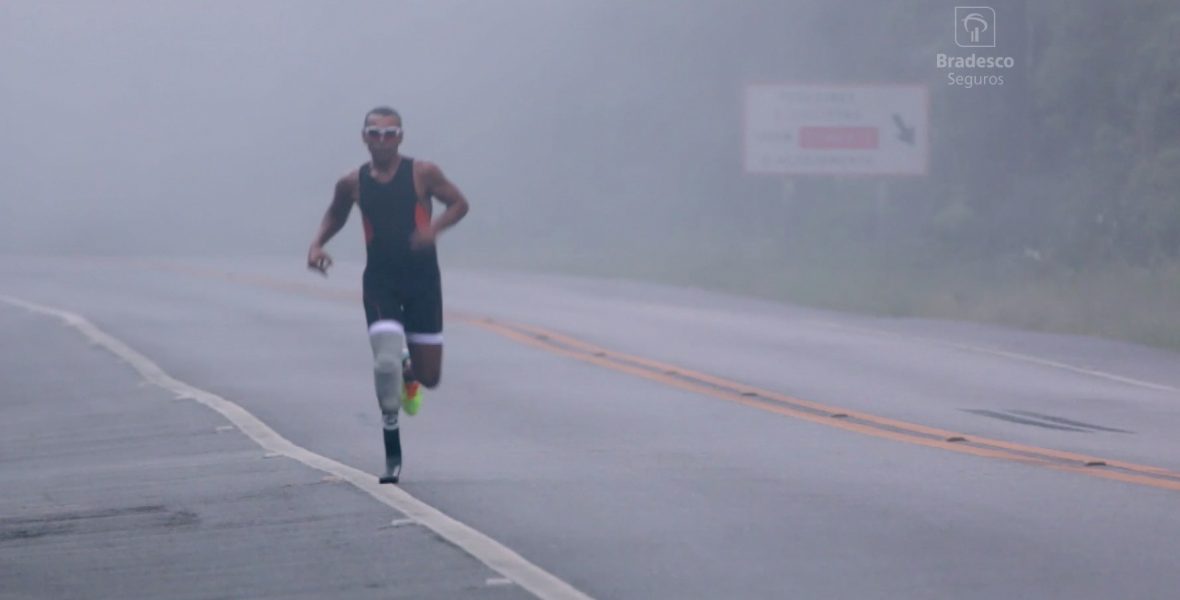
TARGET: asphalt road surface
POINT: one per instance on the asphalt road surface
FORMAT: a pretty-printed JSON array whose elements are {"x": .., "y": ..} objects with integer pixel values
[{"x": 207, "y": 429}]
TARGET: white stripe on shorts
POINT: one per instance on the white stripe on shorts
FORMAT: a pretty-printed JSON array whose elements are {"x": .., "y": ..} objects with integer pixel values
[{"x": 386, "y": 325}]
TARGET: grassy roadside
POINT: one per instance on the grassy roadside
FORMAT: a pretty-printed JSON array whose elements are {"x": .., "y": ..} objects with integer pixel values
[{"x": 1112, "y": 301}]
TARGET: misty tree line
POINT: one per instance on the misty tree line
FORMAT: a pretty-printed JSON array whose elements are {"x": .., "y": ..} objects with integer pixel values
[
  {"x": 1073, "y": 162},
  {"x": 1084, "y": 164},
  {"x": 1124, "y": 159}
]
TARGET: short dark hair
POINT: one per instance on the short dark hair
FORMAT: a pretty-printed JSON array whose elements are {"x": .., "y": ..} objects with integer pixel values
[{"x": 382, "y": 111}]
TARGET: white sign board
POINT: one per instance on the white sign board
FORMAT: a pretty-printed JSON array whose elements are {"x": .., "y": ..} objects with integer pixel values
[{"x": 837, "y": 129}]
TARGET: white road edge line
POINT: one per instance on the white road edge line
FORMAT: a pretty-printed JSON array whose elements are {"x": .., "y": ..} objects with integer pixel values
[
  {"x": 488, "y": 551},
  {"x": 1044, "y": 362}
]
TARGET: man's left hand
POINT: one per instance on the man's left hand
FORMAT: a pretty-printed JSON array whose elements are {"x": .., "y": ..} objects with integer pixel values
[{"x": 422, "y": 238}]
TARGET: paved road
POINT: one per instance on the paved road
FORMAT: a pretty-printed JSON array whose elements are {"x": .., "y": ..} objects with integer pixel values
[{"x": 631, "y": 440}]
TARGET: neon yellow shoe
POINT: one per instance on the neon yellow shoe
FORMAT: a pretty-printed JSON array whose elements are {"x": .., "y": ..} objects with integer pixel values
[
  {"x": 412, "y": 398},
  {"x": 411, "y": 390}
]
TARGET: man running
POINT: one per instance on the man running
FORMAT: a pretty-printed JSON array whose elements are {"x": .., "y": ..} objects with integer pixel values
[{"x": 402, "y": 286}]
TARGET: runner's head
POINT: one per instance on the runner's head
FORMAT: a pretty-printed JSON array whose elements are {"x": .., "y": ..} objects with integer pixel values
[{"x": 382, "y": 132}]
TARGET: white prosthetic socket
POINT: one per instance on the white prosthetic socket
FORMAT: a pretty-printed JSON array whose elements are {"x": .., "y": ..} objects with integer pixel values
[{"x": 388, "y": 339}]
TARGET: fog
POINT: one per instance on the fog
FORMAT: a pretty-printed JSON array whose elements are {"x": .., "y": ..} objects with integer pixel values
[
  {"x": 145, "y": 127},
  {"x": 594, "y": 137}
]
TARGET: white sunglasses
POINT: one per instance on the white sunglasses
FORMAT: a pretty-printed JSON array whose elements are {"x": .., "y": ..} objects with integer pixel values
[{"x": 381, "y": 133}]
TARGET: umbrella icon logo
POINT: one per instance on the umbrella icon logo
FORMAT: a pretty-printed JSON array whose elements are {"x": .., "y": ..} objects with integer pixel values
[{"x": 975, "y": 27}]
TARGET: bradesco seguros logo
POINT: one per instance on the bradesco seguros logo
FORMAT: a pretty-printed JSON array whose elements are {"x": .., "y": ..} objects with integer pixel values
[{"x": 975, "y": 27}]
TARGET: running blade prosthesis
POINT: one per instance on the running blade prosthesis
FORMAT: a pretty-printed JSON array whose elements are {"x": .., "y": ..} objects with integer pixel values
[{"x": 393, "y": 450}]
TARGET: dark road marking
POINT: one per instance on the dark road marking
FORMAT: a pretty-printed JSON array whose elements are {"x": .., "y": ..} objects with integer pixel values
[
  {"x": 995, "y": 414},
  {"x": 1069, "y": 422}
]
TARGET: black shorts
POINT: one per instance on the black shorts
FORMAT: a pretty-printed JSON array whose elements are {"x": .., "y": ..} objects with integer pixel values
[{"x": 418, "y": 307}]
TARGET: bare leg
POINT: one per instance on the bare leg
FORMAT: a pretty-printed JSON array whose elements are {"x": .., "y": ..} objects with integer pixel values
[{"x": 426, "y": 363}]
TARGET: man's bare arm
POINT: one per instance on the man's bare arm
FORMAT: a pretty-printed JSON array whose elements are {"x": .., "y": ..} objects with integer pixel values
[
  {"x": 334, "y": 219},
  {"x": 438, "y": 186}
]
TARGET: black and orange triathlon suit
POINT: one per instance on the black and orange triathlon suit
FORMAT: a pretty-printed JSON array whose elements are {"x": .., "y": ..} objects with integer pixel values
[{"x": 400, "y": 283}]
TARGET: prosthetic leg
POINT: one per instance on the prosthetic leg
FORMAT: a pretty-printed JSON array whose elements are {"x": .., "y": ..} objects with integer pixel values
[{"x": 388, "y": 339}]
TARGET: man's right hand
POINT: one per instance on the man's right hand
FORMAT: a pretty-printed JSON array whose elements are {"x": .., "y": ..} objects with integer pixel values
[{"x": 318, "y": 260}]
